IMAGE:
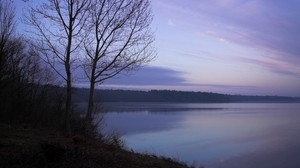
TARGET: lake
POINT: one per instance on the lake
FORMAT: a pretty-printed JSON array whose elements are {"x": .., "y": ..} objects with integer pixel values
[{"x": 228, "y": 135}]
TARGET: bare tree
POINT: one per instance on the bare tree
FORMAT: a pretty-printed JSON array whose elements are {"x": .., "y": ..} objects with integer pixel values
[
  {"x": 119, "y": 39},
  {"x": 58, "y": 26},
  {"x": 19, "y": 64},
  {"x": 7, "y": 30}
]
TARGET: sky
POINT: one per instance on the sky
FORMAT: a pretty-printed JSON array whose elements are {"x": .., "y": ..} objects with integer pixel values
[{"x": 225, "y": 46}]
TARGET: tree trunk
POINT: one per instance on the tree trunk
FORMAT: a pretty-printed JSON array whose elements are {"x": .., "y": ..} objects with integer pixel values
[
  {"x": 68, "y": 104},
  {"x": 68, "y": 73},
  {"x": 90, "y": 102},
  {"x": 90, "y": 109}
]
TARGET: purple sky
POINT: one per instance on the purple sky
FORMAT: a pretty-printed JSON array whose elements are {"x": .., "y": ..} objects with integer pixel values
[{"x": 225, "y": 46}]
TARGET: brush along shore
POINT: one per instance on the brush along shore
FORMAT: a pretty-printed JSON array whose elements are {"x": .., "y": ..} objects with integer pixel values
[{"x": 22, "y": 146}]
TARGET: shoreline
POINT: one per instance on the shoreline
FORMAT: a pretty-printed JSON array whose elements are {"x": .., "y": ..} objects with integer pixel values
[{"x": 22, "y": 146}]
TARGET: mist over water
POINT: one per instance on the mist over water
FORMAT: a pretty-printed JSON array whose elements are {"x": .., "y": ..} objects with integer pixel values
[{"x": 214, "y": 135}]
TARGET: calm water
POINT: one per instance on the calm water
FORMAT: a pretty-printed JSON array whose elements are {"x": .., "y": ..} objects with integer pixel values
[{"x": 213, "y": 135}]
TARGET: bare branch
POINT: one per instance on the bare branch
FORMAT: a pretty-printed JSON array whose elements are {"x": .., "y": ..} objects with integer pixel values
[
  {"x": 58, "y": 26},
  {"x": 119, "y": 39}
]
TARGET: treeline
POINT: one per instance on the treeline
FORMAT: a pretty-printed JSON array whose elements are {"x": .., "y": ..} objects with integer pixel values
[
  {"x": 23, "y": 80},
  {"x": 101, "y": 38},
  {"x": 266, "y": 99},
  {"x": 81, "y": 95},
  {"x": 28, "y": 91}
]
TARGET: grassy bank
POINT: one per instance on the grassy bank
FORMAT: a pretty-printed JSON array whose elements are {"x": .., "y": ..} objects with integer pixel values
[{"x": 22, "y": 146}]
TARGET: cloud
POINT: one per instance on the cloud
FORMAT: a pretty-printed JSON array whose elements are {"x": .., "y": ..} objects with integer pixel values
[
  {"x": 272, "y": 65},
  {"x": 161, "y": 78},
  {"x": 153, "y": 77},
  {"x": 269, "y": 26},
  {"x": 263, "y": 24},
  {"x": 150, "y": 75},
  {"x": 275, "y": 67}
]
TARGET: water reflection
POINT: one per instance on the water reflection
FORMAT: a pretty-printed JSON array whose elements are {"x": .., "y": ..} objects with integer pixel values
[
  {"x": 214, "y": 135},
  {"x": 140, "y": 122}
]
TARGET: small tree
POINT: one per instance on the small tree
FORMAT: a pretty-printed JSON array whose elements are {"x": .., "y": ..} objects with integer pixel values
[
  {"x": 118, "y": 39},
  {"x": 9, "y": 57},
  {"x": 7, "y": 30},
  {"x": 58, "y": 26},
  {"x": 21, "y": 72}
]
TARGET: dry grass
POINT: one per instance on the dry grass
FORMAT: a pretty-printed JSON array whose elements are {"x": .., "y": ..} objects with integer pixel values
[{"x": 30, "y": 147}]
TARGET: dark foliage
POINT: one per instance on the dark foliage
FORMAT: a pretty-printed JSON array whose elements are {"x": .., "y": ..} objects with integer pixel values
[
  {"x": 27, "y": 147},
  {"x": 27, "y": 91}
]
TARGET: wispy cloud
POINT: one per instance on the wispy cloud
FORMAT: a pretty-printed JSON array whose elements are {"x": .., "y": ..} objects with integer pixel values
[
  {"x": 276, "y": 67},
  {"x": 271, "y": 26}
]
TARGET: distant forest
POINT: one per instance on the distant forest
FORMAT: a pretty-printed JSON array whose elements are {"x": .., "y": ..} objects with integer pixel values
[{"x": 81, "y": 95}]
